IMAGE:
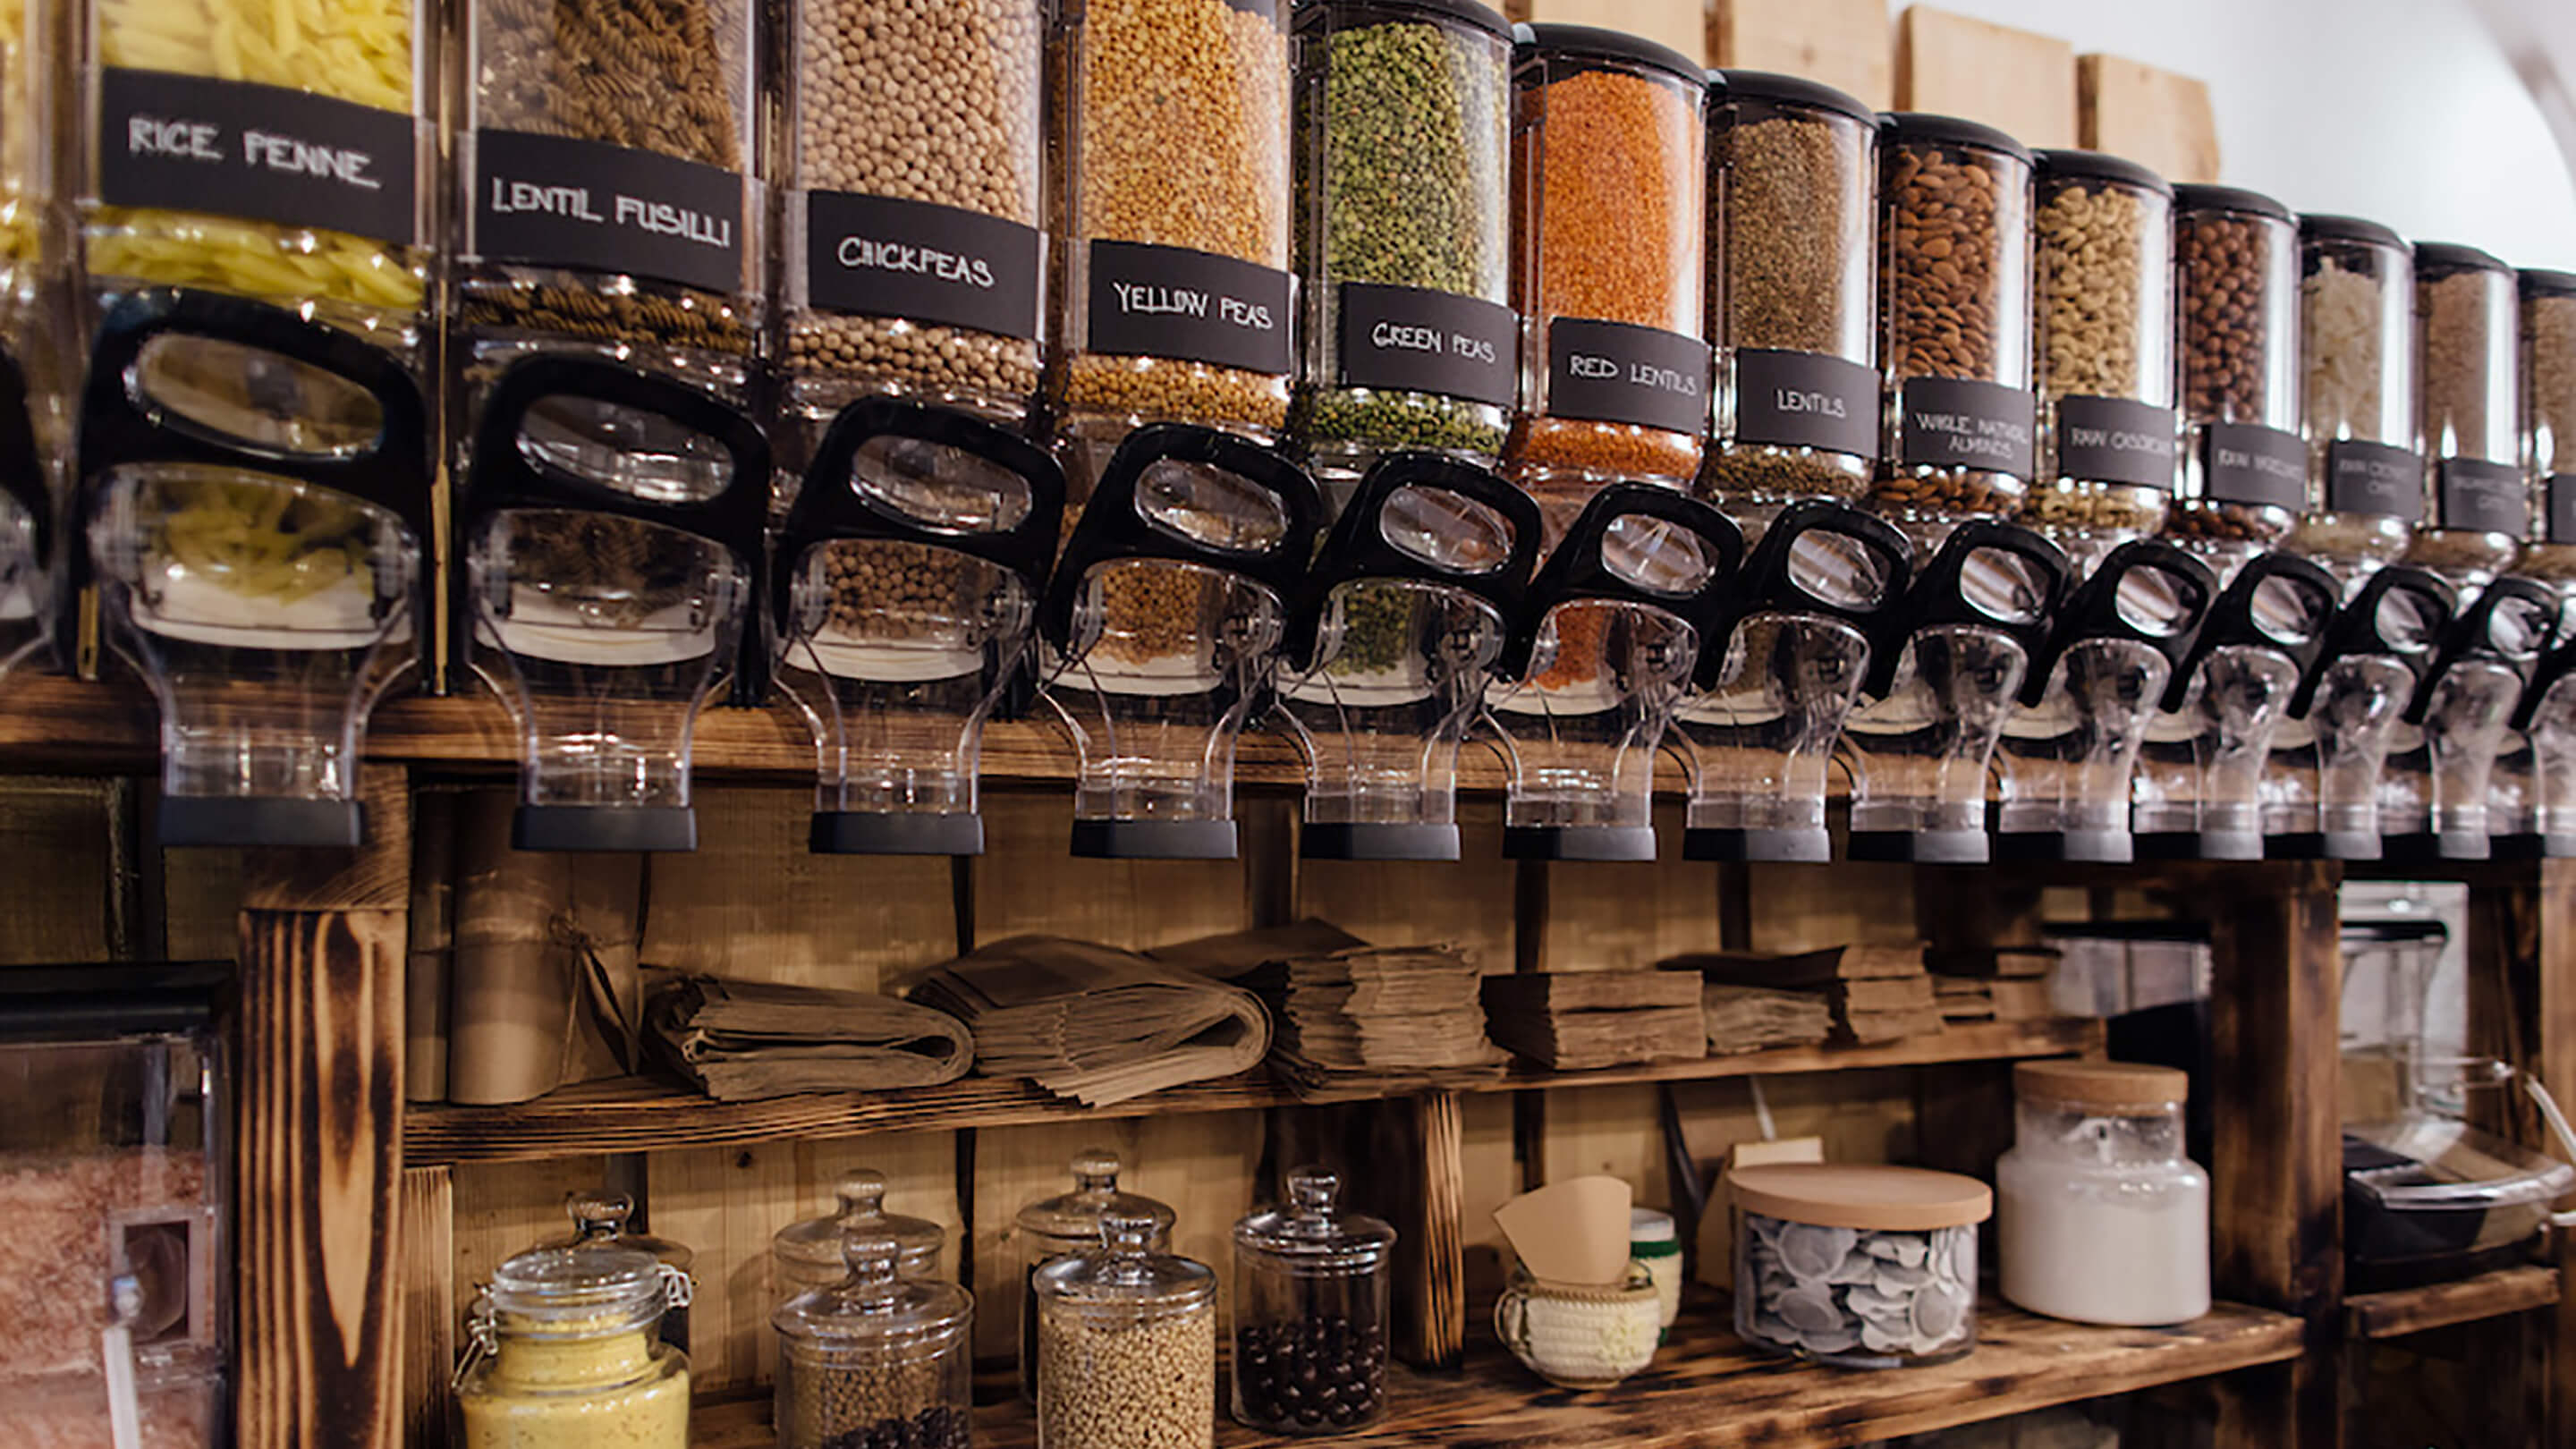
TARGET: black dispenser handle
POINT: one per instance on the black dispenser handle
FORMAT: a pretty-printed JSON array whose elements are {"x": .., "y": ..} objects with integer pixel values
[
  {"x": 2237, "y": 618},
  {"x": 2356, "y": 629},
  {"x": 2094, "y": 612},
  {"x": 1358, "y": 547},
  {"x": 1577, "y": 570},
  {"x": 22, "y": 467},
  {"x": 1940, "y": 596},
  {"x": 1770, "y": 583},
  {"x": 2483, "y": 631}
]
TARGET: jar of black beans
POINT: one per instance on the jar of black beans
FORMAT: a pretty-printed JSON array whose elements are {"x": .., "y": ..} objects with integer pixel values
[{"x": 1310, "y": 1312}]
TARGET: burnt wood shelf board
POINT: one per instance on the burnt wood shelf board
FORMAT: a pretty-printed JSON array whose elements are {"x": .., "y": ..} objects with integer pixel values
[{"x": 2413, "y": 1310}]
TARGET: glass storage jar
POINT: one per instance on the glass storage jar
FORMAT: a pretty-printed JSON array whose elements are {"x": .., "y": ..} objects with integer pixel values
[
  {"x": 808, "y": 1254},
  {"x": 2357, "y": 355},
  {"x": 1955, "y": 340},
  {"x": 2477, "y": 504},
  {"x": 599, "y": 1219},
  {"x": 563, "y": 1355},
  {"x": 2244, "y": 465},
  {"x": 1792, "y": 293},
  {"x": 1861, "y": 1267},
  {"x": 2549, "y": 426},
  {"x": 1311, "y": 1290},
  {"x": 1581, "y": 1336},
  {"x": 2100, "y": 1217},
  {"x": 1126, "y": 1344},
  {"x": 1608, "y": 239},
  {"x": 1069, "y": 1223},
  {"x": 2105, "y": 337},
  {"x": 1403, "y": 234},
  {"x": 879, "y": 1360}
]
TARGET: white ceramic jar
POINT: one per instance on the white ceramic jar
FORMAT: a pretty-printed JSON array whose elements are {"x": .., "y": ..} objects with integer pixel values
[{"x": 2102, "y": 1217}]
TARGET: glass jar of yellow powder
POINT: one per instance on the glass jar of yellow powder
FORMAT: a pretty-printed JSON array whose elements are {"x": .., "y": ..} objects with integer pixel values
[{"x": 565, "y": 1355}]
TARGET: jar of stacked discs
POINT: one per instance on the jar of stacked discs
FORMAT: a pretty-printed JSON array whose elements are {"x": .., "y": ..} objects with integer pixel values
[
  {"x": 876, "y": 1361},
  {"x": 1310, "y": 1312},
  {"x": 1126, "y": 1344}
]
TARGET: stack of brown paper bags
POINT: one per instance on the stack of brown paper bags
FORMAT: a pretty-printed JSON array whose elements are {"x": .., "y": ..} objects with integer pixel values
[
  {"x": 1875, "y": 993},
  {"x": 1580, "y": 1020},
  {"x": 1354, "y": 1016},
  {"x": 741, "y": 1041},
  {"x": 1996, "y": 983}
]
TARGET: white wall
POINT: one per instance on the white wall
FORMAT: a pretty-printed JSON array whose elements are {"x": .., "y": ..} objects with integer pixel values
[{"x": 2420, "y": 114}]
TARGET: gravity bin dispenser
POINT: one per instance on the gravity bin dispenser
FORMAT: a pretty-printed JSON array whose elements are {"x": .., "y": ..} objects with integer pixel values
[
  {"x": 1780, "y": 668},
  {"x": 2435, "y": 795},
  {"x": 256, "y": 490},
  {"x": 611, "y": 533},
  {"x": 28, "y": 527},
  {"x": 2200, "y": 772},
  {"x": 2544, "y": 823},
  {"x": 1160, "y": 629},
  {"x": 1943, "y": 679},
  {"x": 1606, "y": 644},
  {"x": 2069, "y": 750},
  {"x": 2321, "y": 788},
  {"x": 906, "y": 600},
  {"x": 1392, "y": 648}
]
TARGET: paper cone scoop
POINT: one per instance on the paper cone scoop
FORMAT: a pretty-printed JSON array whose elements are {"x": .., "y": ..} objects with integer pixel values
[{"x": 1574, "y": 1231}]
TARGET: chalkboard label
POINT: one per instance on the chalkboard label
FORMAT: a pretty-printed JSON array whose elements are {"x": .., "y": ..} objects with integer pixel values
[
  {"x": 2253, "y": 465},
  {"x": 2561, "y": 495},
  {"x": 260, "y": 152},
  {"x": 2482, "y": 497},
  {"x": 890, "y": 257},
  {"x": 1413, "y": 339},
  {"x": 2374, "y": 478},
  {"x": 1150, "y": 301},
  {"x": 1805, "y": 400},
  {"x": 1614, "y": 372},
  {"x": 2116, "y": 440},
  {"x": 1951, "y": 422},
  {"x": 556, "y": 201}
]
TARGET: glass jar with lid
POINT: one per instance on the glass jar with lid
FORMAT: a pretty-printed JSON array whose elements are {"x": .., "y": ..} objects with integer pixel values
[
  {"x": 1857, "y": 1266},
  {"x": 1311, "y": 1291},
  {"x": 880, "y": 1357},
  {"x": 2549, "y": 426},
  {"x": 2357, "y": 355},
  {"x": 2244, "y": 465},
  {"x": 808, "y": 1254},
  {"x": 2468, "y": 391},
  {"x": 1069, "y": 1223},
  {"x": 600, "y": 1219},
  {"x": 2101, "y": 1218},
  {"x": 1126, "y": 1344},
  {"x": 563, "y": 1354}
]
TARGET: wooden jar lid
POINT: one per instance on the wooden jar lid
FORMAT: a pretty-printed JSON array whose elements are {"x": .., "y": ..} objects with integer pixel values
[
  {"x": 1842, "y": 1195},
  {"x": 2107, "y": 1086}
]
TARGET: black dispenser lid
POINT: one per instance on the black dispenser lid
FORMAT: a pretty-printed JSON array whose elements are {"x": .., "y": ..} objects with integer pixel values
[
  {"x": 1579, "y": 570},
  {"x": 2100, "y": 610},
  {"x": 1359, "y": 547},
  {"x": 1946, "y": 592},
  {"x": 2400, "y": 612},
  {"x": 2277, "y": 601},
  {"x": 2512, "y": 622},
  {"x": 1779, "y": 577}
]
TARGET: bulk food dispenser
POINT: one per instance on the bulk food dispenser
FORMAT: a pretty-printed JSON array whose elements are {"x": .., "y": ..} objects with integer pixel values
[
  {"x": 256, "y": 489},
  {"x": 2357, "y": 354},
  {"x": 2549, "y": 427},
  {"x": 611, "y": 530},
  {"x": 38, "y": 342},
  {"x": 2543, "y": 820},
  {"x": 2434, "y": 794},
  {"x": 2244, "y": 464},
  {"x": 2321, "y": 789},
  {"x": 1392, "y": 647},
  {"x": 1161, "y": 626},
  {"x": 909, "y": 574},
  {"x": 2477, "y": 502}
]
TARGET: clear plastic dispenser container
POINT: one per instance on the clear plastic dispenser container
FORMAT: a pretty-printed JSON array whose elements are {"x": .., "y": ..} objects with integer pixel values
[
  {"x": 2321, "y": 788},
  {"x": 601, "y": 1219},
  {"x": 2435, "y": 792},
  {"x": 1161, "y": 628},
  {"x": 1780, "y": 668},
  {"x": 2468, "y": 389},
  {"x": 876, "y": 1357},
  {"x": 1126, "y": 1344},
  {"x": 1312, "y": 1292},
  {"x": 2244, "y": 463},
  {"x": 30, "y": 516},
  {"x": 611, "y": 534},
  {"x": 1410, "y": 341},
  {"x": 563, "y": 1354},
  {"x": 807, "y": 1253},
  {"x": 255, "y": 494},
  {"x": 2544, "y": 823},
  {"x": 2549, "y": 426},
  {"x": 2357, "y": 355},
  {"x": 1793, "y": 294},
  {"x": 120, "y": 1219},
  {"x": 1069, "y": 1223},
  {"x": 1858, "y": 1267},
  {"x": 1605, "y": 644},
  {"x": 904, "y": 607},
  {"x": 2069, "y": 750},
  {"x": 2100, "y": 1218},
  {"x": 1943, "y": 678},
  {"x": 1392, "y": 647},
  {"x": 2200, "y": 771},
  {"x": 1954, "y": 301},
  {"x": 2108, "y": 430},
  {"x": 39, "y": 340}
]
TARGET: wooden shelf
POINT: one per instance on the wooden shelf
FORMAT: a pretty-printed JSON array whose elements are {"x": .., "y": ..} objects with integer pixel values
[
  {"x": 636, "y": 1114},
  {"x": 2412, "y": 1310},
  {"x": 1708, "y": 1391}
]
